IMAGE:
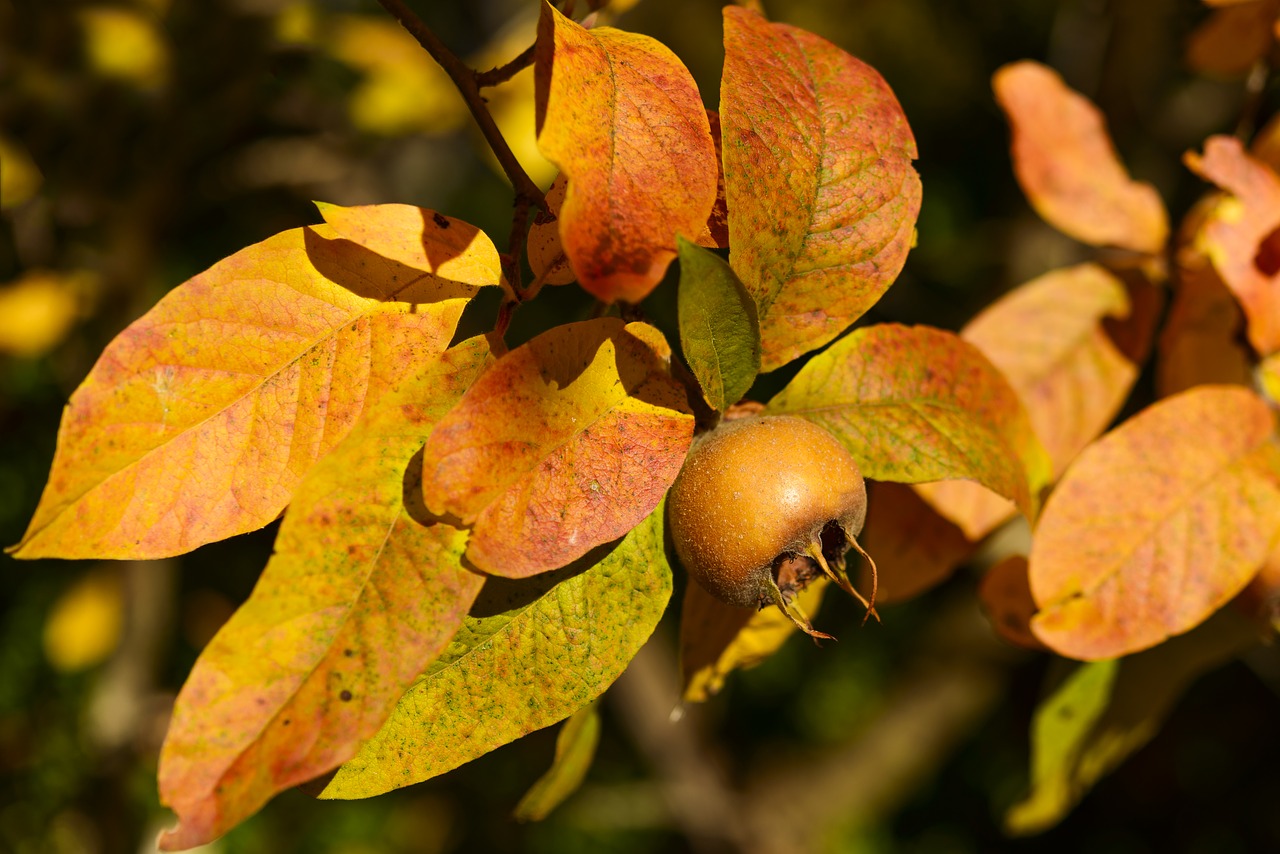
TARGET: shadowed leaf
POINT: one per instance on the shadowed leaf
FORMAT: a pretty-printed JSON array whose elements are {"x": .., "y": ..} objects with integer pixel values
[
  {"x": 356, "y": 600},
  {"x": 719, "y": 332},
  {"x": 1235, "y": 233},
  {"x": 546, "y": 254},
  {"x": 566, "y": 443},
  {"x": 1005, "y": 594},
  {"x": 1231, "y": 40},
  {"x": 915, "y": 547},
  {"x": 622, "y": 118},
  {"x": 717, "y": 639},
  {"x": 531, "y": 653},
  {"x": 575, "y": 749},
  {"x": 1158, "y": 524},
  {"x": 1065, "y": 162},
  {"x": 821, "y": 192},
  {"x": 200, "y": 419},
  {"x": 1201, "y": 341},
  {"x": 915, "y": 404}
]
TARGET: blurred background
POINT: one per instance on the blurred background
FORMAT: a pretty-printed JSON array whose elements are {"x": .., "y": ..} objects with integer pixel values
[{"x": 142, "y": 141}]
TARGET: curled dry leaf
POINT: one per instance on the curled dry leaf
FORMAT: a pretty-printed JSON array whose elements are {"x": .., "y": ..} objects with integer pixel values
[
  {"x": 357, "y": 599},
  {"x": 201, "y": 418},
  {"x": 1065, "y": 162},
  {"x": 821, "y": 192},
  {"x": 915, "y": 404},
  {"x": 1239, "y": 233},
  {"x": 566, "y": 443},
  {"x": 622, "y": 118},
  {"x": 1158, "y": 524}
]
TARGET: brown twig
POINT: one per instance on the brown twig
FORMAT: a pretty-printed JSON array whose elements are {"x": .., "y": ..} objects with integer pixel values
[
  {"x": 503, "y": 73},
  {"x": 464, "y": 78}
]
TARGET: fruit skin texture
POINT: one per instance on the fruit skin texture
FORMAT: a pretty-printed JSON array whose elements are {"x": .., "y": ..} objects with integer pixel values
[{"x": 755, "y": 489}]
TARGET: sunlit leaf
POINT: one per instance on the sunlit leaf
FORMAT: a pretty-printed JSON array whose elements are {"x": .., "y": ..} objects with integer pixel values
[
  {"x": 358, "y": 598},
  {"x": 719, "y": 331},
  {"x": 85, "y": 623},
  {"x": 821, "y": 192},
  {"x": 915, "y": 404},
  {"x": 915, "y": 548},
  {"x": 1065, "y": 162},
  {"x": 200, "y": 419},
  {"x": 1005, "y": 594},
  {"x": 717, "y": 639},
  {"x": 622, "y": 118},
  {"x": 1158, "y": 524},
  {"x": 1239, "y": 233},
  {"x": 566, "y": 443},
  {"x": 575, "y": 749},
  {"x": 531, "y": 653},
  {"x": 1106, "y": 710}
]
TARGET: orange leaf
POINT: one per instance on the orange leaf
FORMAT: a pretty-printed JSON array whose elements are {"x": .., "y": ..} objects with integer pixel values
[
  {"x": 622, "y": 118},
  {"x": 1066, "y": 165},
  {"x": 200, "y": 419},
  {"x": 566, "y": 443},
  {"x": 358, "y": 598},
  {"x": 1158, "y": 524},
  {"x": 1200, "y": 342},
  {"x": 915, "y": 548},
  {"x": 546, "y": 254},
  {"x": 1005, "y": 593},
  {"x": 715, "y": 234},
  {"x": 1233, "y": 39},
  {"x": 1238, "y": 233},
  {"x": 821, "y": 192}
]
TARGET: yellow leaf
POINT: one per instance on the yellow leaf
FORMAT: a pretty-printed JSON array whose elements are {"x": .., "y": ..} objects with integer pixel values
[
  {"x": 124, "y": 45},
  {"x": 20, "y": 178},
  {"x": 83, "y": 628},
  {"x": 39, "y": 309}
]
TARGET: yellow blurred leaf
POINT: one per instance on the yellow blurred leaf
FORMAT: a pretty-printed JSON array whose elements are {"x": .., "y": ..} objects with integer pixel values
[
  {"x": 38, "y": 310},
  {"x": 83, "y": 628},
  {"x": 403, "y": 90},
  {"x": 125, "y": 45},
  {"x": 512, "y": 103},
  {"x": 20, "y": 178},
  {"x": 298, "y": 24}
]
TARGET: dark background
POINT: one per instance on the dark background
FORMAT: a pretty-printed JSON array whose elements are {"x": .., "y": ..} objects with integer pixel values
[{"x": 144, "y": 141}]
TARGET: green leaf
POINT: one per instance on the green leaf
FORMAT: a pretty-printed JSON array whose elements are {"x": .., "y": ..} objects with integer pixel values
[
  {"x": 531, "y": 653},
  {"x": 915, "y": 404},
  {"x": 575, "y": 748},
  {"x": 1106, "y": 710},
  {"x": 719, "y": 330}
]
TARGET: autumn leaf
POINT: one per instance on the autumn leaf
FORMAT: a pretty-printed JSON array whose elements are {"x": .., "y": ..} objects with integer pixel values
[
  {"x": 566, "y": 443},
  {"x": 1238, "y": 232},
  {"x": 1234, "y": 38},
  {"x": 915, "y": 548},
  {"x": 1106, "y": 710},
  {"x": 531, "y": 653},
  {"x": 822, "y": 195},
  {"x": 40, "y": 308},
  {"x": 1157, "y": 524},
  {"x": 715, "y": 234},
  {"x": 357, "y": 599},
  {"x": 1067, "y": 167},
  {"x": 1201, "y": 339},
  {"x": 719, "y": 330},
  {"x": 201, "y": 418},
  {"x": 915, "y": 404},
  {"x": 622, "y": 118},
  {"x": 1005, "y": 594},
  {"x": 575, "y": 748},
  {"x": 546, "y": 253},
  {"x": 86, "y": 621},
  {"x": 717, "y": 639}
]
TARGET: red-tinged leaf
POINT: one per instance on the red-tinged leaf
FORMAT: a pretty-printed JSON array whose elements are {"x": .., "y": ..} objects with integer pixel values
[
  {"x": 1233, "y": 39},
  {"x": 1005, "y": 594},
  {"x": 915, "y": 404},
  {"x": 546, "y": 253},
  {"x": 200, "y": 419},
  {"x": 358, "y": 598},
  {"x": 1047, "y": 338},
  {"x": 622, "y": 118},
  {"x": 915, "y": 548},
  {"x": 566, "y": 443},
  {"x": 1236, "y": 233},
  {"x": 1201, "y": 341},
  {"x": 717, "y": 639},
  {"x": 822, "y": 195},
  {"x": 1065, "y": 162},
  {"x": 1158, "y": 524},
  {"x": 715, "y": 235},
  {"x": 531, "y": 653}
]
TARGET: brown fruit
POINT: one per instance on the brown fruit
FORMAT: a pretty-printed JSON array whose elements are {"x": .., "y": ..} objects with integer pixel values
[{"x": 762, "y": 506}]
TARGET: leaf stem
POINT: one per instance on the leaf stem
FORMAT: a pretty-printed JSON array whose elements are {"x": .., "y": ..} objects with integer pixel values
[
  {"x": 466, "y": 81},
  {"x": 502, "y": 73}
]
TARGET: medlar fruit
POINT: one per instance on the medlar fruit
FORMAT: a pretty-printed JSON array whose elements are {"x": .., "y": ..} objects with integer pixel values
[{"x": 762, "y": 506}]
